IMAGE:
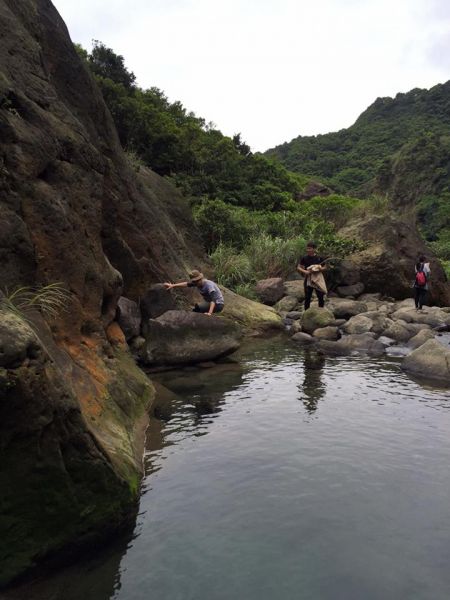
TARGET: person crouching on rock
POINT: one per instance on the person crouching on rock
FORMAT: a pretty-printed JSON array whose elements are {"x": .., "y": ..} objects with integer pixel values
[
  {"x": 311, "y": 267},
  {"x": 212, "y": 296}
]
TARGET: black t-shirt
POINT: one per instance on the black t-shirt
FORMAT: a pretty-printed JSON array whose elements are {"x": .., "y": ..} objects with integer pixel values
[{"x": 307, "y": 261}]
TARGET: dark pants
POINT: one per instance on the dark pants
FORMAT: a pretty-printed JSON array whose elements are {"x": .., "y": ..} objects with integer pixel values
[
  {"x": 308, "y": 296},
  {"x": 203, "y": 307},
  {"x": 419, "y": 297}
]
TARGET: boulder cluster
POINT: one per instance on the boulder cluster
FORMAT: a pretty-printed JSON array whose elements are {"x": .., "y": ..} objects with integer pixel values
[{"x": 354, "y": 323}]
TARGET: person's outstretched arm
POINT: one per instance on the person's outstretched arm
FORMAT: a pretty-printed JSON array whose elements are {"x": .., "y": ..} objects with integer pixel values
[{"x": 169, "y": 286}]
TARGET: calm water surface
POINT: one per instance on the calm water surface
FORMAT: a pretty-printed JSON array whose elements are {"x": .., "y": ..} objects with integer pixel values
[{"x": 287, "y": 477}]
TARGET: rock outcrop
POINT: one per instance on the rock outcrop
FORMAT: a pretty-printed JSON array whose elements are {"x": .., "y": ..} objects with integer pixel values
[
  {"x": 386, "y": 264},
  {"x": 73, "y": 211}
]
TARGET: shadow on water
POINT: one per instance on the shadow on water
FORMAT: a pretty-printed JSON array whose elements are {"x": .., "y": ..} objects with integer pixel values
[{"x": 181, "y": 408}]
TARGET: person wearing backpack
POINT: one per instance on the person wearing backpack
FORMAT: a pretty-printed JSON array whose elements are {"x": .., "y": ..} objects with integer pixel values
[{"x": 423, "y": 273}]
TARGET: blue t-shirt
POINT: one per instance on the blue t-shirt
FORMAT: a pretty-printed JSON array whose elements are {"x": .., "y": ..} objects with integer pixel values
[{"x": 210, "y": 291}]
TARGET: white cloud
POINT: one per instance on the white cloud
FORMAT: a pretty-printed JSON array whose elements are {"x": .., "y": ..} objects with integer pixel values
[{"x": 271, "y": 69}]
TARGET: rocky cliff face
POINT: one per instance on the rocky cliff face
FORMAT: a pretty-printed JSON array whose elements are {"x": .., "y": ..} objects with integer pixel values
[{"x": 72, "y": 403}]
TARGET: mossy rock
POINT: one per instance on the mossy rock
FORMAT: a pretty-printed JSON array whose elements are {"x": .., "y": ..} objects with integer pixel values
[
  {"x": 315, "y": 318},
  {"x": 252, "y": 316}
]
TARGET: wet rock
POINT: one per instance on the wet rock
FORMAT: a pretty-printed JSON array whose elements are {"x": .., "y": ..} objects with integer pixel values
[
  {"x": 327, "y": 333},
  {"x": 430, "y": 360},
  {"x": 180, "y": 338},
  {"x": 303, "y": 338},
  {"x": 269, "y": 291},
  {"x": 344, "y": 309},
  {"x": 286, "y": 304},
  {"x": 358, "y": 324},
  {"x": 420, "y": 338},
  {"x": 129, "y": 317},
  {"x": 351, "y": 290},
  {"x": 363, "y": 343},
  {"x": 314, "y": 318},
  {"x": 156, "y": 301},
  {"x": 296, "y": 289}
]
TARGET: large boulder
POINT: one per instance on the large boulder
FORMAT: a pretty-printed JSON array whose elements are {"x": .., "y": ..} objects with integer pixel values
[
  {"x": 295, "y": 288},
  {"x": 344, "y": 309},
  {"x": 129, "y": 317},
  {"x": 156, "y": 301},
  {"x": 430, "y": 360},
  {"x": 269, "y": 291},
  {"x": 179, "y": 337},
  {"x": 314, "y": 318},
  {"x": 386, "y": 264},
  {"x": 252, "y": 317},
  {"x": 348, "y": 273},
  {"x": 420, "y": 338},
  {"x": 351, "y": 290}
]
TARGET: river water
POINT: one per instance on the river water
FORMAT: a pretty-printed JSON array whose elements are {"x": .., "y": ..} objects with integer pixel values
[{"x": 286, "y": 476}]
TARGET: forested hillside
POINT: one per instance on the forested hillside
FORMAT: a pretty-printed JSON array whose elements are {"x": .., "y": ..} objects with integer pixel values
[
  {"x": 399, "y": 147},
  {"x": 248, "y": 207},
  {"x": 349, "y": 158}
]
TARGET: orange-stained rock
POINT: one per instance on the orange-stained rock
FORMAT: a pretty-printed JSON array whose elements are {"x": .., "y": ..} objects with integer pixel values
[{"x": 115, "y": 335}]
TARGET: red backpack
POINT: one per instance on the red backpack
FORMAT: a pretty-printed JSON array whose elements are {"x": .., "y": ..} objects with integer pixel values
[{"x": 421, "y": 278}]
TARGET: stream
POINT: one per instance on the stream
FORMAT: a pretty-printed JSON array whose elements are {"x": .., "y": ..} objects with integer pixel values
[{"x": 283, "y": 475}]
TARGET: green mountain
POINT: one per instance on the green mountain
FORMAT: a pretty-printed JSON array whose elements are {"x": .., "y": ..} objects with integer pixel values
[{"x": 349, "y": 160}]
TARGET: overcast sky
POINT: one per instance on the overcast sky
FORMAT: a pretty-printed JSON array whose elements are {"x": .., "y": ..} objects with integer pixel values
[{"x": 272, "y": 69}]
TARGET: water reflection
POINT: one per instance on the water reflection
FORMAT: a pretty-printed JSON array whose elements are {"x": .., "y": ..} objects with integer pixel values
[
  {"x": 233, "y": 478},
  {"x": 313, "y": 387}
]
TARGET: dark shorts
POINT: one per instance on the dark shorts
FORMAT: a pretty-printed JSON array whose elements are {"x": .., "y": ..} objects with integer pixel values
[{"x": 203, "y": 307}]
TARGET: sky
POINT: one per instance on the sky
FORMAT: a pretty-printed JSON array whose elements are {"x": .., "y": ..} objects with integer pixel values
[{"x": 272, "y": 69}]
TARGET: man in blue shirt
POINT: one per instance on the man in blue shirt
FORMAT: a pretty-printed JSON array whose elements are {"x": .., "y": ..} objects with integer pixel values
[{"x": 212, "y": 296}]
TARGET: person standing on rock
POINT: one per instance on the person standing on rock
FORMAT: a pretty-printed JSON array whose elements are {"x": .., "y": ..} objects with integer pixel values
[
  {"x": 213, "y": 301},
  {"x": 311, "y": 266},
  {"x": 423, "y": 272}
]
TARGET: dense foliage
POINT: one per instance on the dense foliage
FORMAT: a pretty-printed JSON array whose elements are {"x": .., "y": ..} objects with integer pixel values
[
  {"x": 247, "y": 207},
  {"x": 399, "y": 147},
  {"x": 174, "y": 142},
  {"x": 350, "y": 158}
]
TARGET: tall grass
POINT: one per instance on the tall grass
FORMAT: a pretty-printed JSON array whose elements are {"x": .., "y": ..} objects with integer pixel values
[
  {"x": 49, "y": 300},
  {"x": 263, "y": 256},
  {"x": 232, "y": 268}
]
